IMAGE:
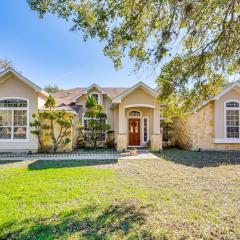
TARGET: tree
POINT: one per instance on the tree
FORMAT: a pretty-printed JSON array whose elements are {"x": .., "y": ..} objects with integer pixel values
[
  {"x": 5, "y": 63},
  {"x": 52, "y": 88},
  {"x": 192, "y": 45},
  {"x": 58, "y": 123},
  {"x": 96, "y": 122}
]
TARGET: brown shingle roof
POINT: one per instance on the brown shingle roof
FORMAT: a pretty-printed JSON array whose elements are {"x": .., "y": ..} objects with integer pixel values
[{"x": 69, "y": 96}]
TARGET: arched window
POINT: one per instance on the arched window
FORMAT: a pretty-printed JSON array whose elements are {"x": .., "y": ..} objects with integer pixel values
[
  {"x": 134, "y": 114},
  {"x": 232, "y": 118},
  {"x": 13, "y": 119}
]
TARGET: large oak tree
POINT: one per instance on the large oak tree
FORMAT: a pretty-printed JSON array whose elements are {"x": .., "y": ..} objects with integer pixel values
[{"x": 192, "y": 45}]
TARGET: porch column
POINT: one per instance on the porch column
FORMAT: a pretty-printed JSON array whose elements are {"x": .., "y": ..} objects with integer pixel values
[
  {"x": 156, "y": 137},
  {"x": 122, "y": 120},
  {"x": 156, "y": 120},
  {"x": 122, "y": 131}
]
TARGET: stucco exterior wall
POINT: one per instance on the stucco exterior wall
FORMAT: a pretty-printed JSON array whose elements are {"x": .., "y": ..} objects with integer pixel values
[
  {"x": 103, "y": 100},
  {"x": 219, "y": 111},
  {"x": 46, "y": 139},
  {"x": 139, "y": 96},
  {"x": 149, "y": 107},
  {"x": 13, "y": 87},
  {"x": 109, "y": 111},
  {"x": 197, "y": 131}
]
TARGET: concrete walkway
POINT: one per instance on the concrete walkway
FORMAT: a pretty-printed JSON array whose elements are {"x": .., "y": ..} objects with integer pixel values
[{"x": 95, "y": 156}]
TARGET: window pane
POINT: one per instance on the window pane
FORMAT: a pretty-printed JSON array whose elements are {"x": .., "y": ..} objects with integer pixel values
[
  {"x": 20, "y": 133},
  {"x": 232, "y": 122},
  {"x": 94, "y": 95},
  {"x": 5, "y": 118},
  {"x": 20, "y": 118},
  {"x": 134, "y": 114},
  {"x": 232, "y": 104},
  {"x": 233, "y": 132},
  {"x": 145, "y": 129},
  {"x": 13, "y": 103},
  {"x": 5, "y": 133}
]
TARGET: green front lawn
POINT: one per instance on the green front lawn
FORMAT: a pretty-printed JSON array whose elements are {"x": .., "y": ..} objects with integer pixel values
[{"x": 159, "y": 199}]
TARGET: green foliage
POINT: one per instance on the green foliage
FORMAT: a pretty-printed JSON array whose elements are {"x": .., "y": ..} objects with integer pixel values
[
  {"x": 96, "y": 122},
  {"x": 52, "y": 88},
  {"x": 167, "y": 131},
  {"x": 198, "y": 39},
  {"x": 57, "y": 123},
  {"x": 51, "y": 102},
  {"x": 187, "y": 195}
]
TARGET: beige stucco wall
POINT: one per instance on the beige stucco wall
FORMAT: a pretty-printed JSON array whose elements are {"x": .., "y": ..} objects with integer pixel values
[
  {"x": 219, "y": 111},
  {"x": 197, "y": 131},
  {"x": 138, "y": 97},
  {"x": 104, "y": 100},
  {"x": 46, "y": 139},
  {"x": 12, "y": 87},
  {"x": 109, "y": 112}
]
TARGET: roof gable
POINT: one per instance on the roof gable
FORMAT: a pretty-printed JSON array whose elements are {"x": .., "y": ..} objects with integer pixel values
[
  {"x": 142, "y": 85},
  {"x": 219, "y": 95},
  {"x": 94, "y": 85},
  {"x": 9, "y": 72}
]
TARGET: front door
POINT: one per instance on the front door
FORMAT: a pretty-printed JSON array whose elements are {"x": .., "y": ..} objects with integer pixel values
[{"x": 134, "y": 132}]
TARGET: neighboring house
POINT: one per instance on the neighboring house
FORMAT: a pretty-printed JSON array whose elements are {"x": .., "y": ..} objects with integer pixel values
[
  {"x": 133, "y": 113},
  {"x": 215, "y": 125}
]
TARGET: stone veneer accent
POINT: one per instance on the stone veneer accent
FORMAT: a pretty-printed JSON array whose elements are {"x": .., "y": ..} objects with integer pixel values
[
  {"x": 197, "y": 131},
  {"x": 156, "y": 142},
  {"x": 122, "y": 142}
]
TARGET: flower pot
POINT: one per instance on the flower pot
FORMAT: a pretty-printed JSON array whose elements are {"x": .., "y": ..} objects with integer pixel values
[{"x": 133, "y": 151}]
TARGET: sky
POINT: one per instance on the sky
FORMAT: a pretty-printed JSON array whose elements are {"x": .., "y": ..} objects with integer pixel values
[{"x": 46, "y": 52}]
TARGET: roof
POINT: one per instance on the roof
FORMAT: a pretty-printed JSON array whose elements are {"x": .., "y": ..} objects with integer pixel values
[
  {"x": 60, "y": 108},
  {"x": 69, "y": 96},
  {"x": 23, "y": 79},
  {"x": 148, "y": 89},
  {"x": 225, "y": 89}
]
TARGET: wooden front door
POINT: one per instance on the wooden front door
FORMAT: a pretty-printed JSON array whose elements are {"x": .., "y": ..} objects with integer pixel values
[{"x": 134, "y": 132}]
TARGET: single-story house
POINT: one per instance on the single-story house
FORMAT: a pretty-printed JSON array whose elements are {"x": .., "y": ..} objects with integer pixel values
[{"x": 133, "y": 113}]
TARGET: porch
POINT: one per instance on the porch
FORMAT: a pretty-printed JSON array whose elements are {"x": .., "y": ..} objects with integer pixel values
[{"x": 138, "y": 126}]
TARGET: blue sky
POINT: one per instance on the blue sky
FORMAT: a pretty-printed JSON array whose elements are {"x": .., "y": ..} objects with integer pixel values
[{"x": 46, "y": 52}]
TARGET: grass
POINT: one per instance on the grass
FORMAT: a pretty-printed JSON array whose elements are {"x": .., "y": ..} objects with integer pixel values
[{"x": 183, "y": 195}]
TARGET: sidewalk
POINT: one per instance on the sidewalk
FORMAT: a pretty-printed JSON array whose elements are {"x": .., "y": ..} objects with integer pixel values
[{"x": 79, "y": 156}]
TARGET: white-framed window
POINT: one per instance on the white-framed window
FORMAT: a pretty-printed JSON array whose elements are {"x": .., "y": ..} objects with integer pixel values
[
  {"x": 14, "y": 119},
  {"x": 85, "y": 121},
  {"x": 96, "y": 95},
  {"x": 145, "y": 129},
  {"x": 134, "y": 113},
  {"x": 232, "y": 119}
]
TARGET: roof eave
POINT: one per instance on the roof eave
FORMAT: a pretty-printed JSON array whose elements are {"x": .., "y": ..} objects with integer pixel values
[
  {"x": 25, "y": 80},
  {"x": 151, "y": 91}
]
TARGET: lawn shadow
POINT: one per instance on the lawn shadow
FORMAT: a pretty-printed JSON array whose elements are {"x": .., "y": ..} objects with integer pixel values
[
  {"x": 200, "y": 159},
  {"x": 46, "y": 164},
  {"x": 119, "y": 219},
  {"x": 3, "y": 162}
]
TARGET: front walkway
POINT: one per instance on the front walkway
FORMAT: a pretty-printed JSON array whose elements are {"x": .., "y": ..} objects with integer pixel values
[{"x": 79, "y": 155}]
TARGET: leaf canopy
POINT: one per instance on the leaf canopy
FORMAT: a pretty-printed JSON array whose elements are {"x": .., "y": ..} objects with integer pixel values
[{"x": 192, "y": 46}]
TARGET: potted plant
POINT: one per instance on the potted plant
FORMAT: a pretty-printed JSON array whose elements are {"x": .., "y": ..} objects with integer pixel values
[{"x": 133, "y": 151}]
